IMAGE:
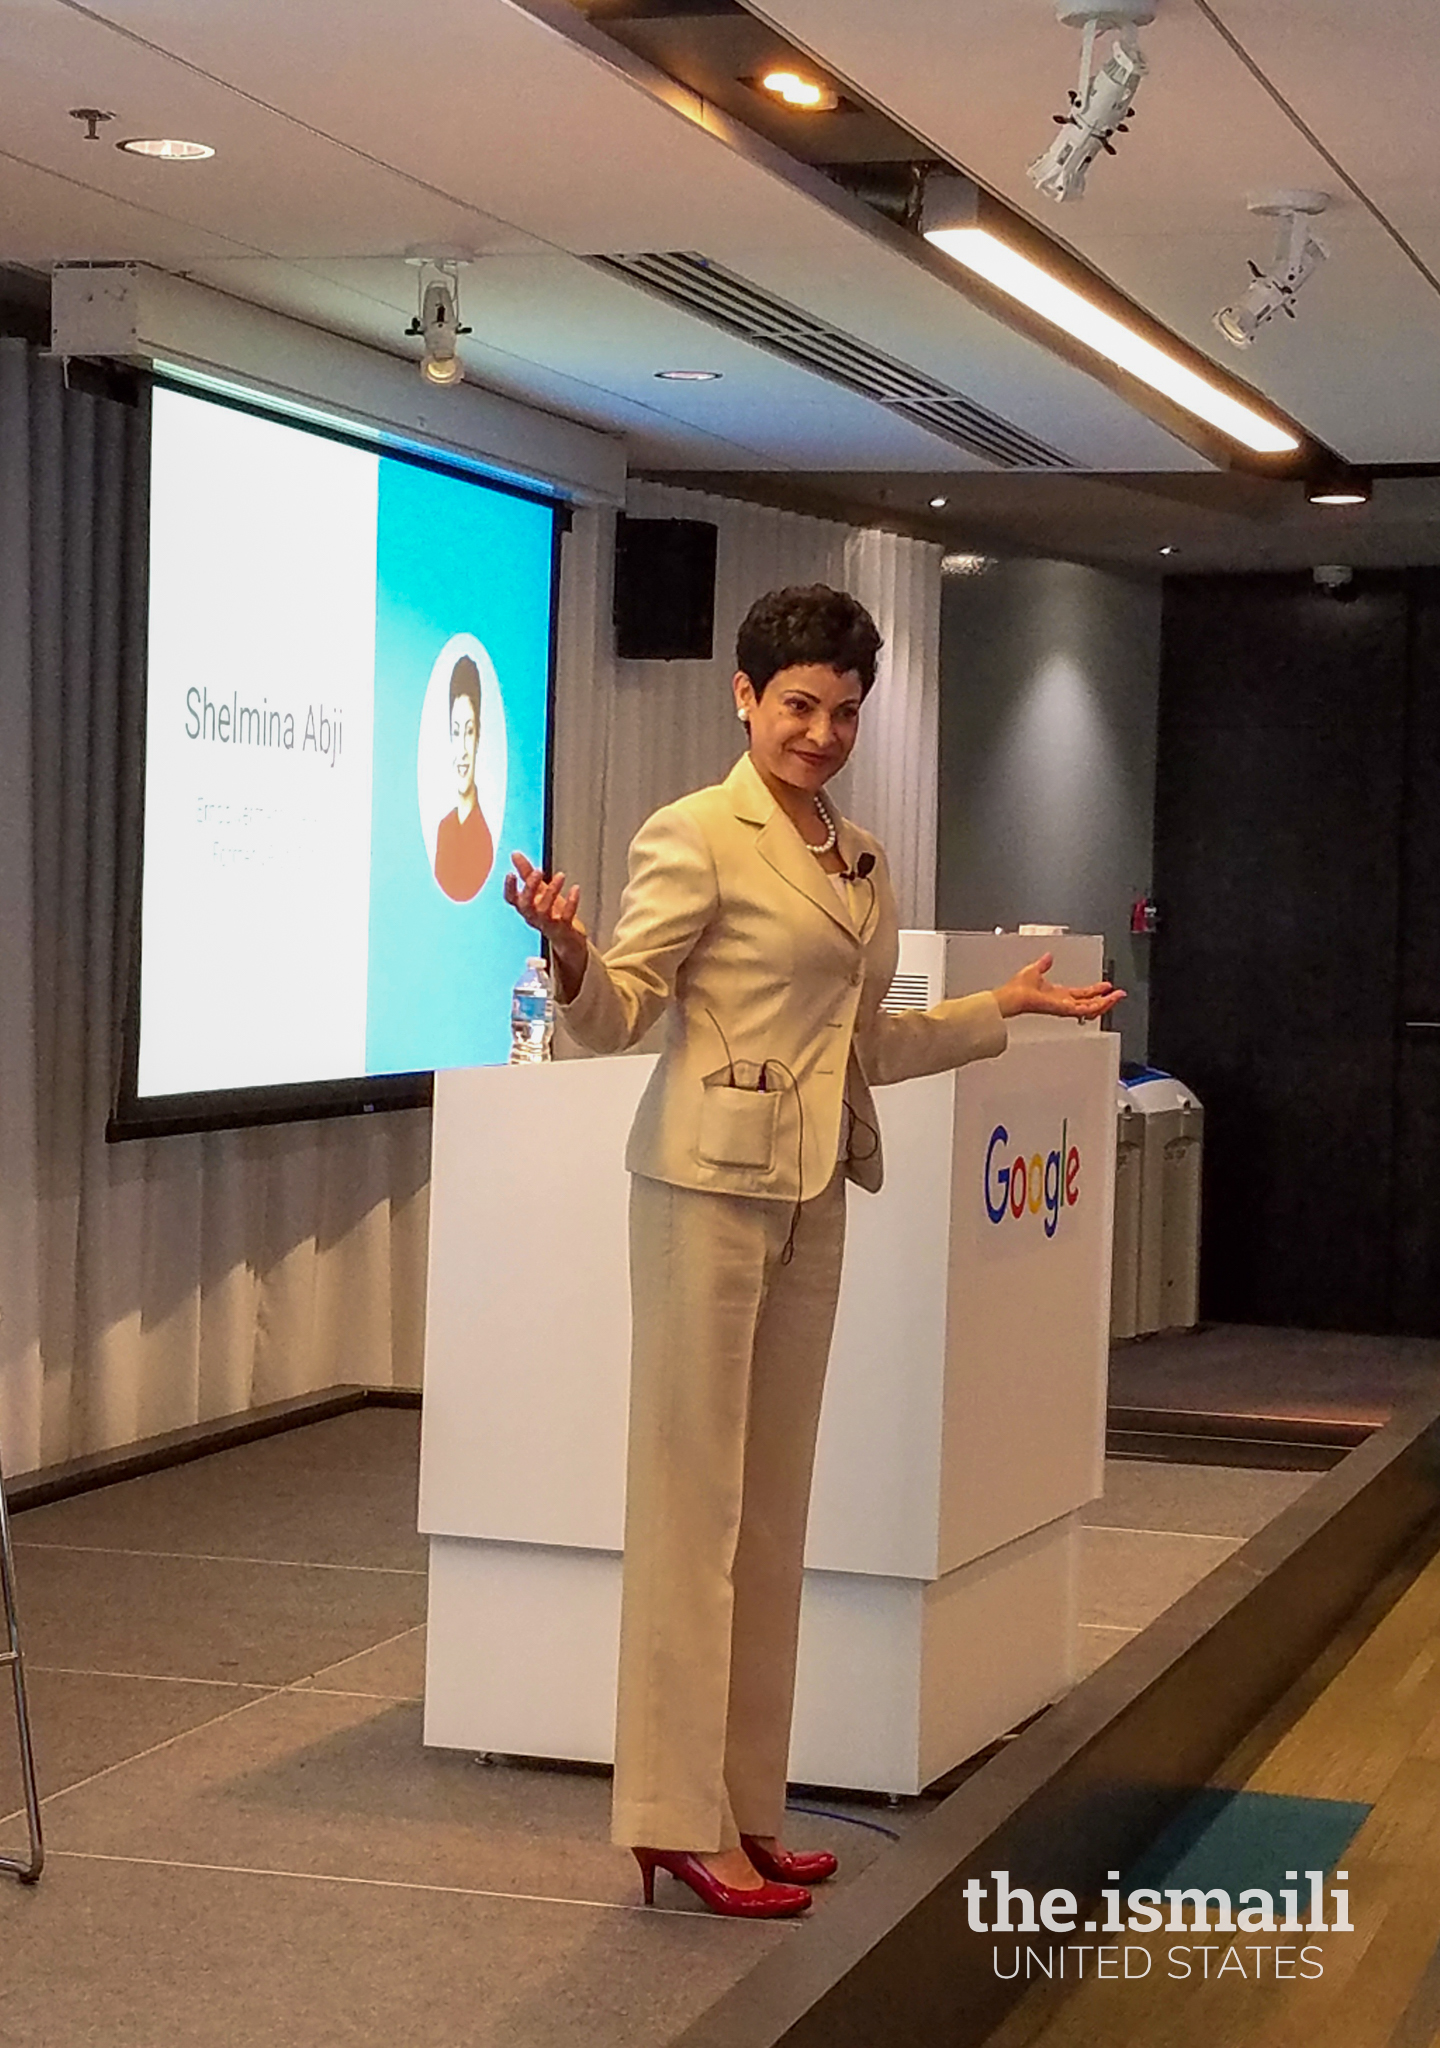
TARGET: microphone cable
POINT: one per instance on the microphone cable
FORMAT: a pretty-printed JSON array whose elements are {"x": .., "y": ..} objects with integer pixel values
[{"x": 788, "y": 1251}]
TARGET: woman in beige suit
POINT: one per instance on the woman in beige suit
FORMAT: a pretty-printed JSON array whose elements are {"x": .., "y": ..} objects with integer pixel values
[{"x": 761, "y": 925}]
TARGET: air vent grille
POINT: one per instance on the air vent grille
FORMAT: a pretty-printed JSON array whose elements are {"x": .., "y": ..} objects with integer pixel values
[
  {"x": 908, "y": 992},
  {"x": 731, "y": 302}
]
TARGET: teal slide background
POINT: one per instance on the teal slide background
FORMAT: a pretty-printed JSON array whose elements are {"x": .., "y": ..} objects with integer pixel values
[{"x": 452, "y": 557}]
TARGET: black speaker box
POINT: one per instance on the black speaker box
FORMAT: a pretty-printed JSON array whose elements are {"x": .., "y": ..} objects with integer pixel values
[{"x": 664, "y": 589}]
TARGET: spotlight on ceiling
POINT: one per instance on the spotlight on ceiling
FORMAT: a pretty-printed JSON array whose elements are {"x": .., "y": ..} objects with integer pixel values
[
  {"x": 805, "y": 93},
  {"x": 1102, "y": 100},
  {"x": 1338, "y": 486},
  {"x": 952, "y": 220},
  {"x": 438, "y": 320},
  {"x": 1298, "y": 255},
  {"x": 938, "y": 504},
  {"x": 165, "y": 148}
]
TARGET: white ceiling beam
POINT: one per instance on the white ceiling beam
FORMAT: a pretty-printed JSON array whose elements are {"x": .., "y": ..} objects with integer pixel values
[{"x": 133, "y": 313}]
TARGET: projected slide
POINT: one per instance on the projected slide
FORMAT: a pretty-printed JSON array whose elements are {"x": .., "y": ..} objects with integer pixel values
[{"x": 345, "y": 736}]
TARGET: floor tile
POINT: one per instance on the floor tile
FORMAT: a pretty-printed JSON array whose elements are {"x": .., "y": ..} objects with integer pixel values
[
  {"x": 393, "y": 1671},
  {"x": 363, "y": 1440},
  {"x": 393, "y": 1893},
  {"x": 1198, "y": 1500},
  {"x": 83, "y": 1722},
  {"x": 342, "y": 1786},
  {"x": 1128, "y": 1577},
  {"x": 259, "y": 1624},
  {"x": 209, "y": 1959},
  {"x": 1234, "y": 1369},
  {"x": 866, "y": 1824},
  {"x": 1098, "y": 1644},
  {"x": 274, "y": 1499}
]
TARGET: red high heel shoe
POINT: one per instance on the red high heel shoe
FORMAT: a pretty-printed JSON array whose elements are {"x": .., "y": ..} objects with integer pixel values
[
  {"x": 790, "y": 1866},
  {"x": 762, "y": 1902}
]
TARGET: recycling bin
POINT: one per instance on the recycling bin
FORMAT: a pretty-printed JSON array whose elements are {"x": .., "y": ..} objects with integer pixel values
[{"x": 1164, "y": 1209}]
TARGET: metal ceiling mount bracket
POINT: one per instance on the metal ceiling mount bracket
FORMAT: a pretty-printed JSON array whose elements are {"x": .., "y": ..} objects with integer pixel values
[
  {"x": 1103, "y": 14},
  {"x": 435, "y": 254},
  {"x": 1275, "y": 205}
]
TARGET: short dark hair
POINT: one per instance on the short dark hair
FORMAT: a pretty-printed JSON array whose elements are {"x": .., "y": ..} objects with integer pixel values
[
  {"x": 465, "y": 682},
  {"x": 807, "y": 624}
]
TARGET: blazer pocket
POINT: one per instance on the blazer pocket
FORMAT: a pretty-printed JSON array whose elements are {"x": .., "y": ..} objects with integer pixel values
[{"x": 737, "y": 1125}]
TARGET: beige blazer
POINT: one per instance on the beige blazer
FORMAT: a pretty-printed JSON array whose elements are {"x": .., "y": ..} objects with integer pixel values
[{"x": 771, "y": 990}]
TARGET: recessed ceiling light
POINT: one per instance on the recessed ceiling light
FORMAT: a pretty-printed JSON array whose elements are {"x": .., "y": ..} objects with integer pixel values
[
  {"x": 167, "y": 149},
  {"x": 801, "y": 92},
  {"x": 1338, "y": 487},
  {"x": 1169, "y": 551},
  {"x": 952, "y": 210},
  {"x": 689, "y": 376},
  {"x": 938, "y": 504}
]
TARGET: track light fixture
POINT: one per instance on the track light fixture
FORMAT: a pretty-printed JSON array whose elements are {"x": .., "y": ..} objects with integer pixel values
[
  {"x": 438, "y": 320},
  {"x": 1103, "y": 98},
  {"x": 1298, "y": 255}
]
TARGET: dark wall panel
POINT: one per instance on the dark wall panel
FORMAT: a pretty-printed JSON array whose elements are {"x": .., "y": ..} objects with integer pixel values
[
  {"x": 1278, "y": 820},
  {"x": 1417, "y": 1096}
]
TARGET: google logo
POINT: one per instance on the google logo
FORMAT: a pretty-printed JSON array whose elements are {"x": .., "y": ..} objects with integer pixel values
[{"x": 1020, "y": 1187}]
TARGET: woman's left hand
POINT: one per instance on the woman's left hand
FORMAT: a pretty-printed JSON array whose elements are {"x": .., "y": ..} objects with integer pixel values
[{"x": 1028, "y": 993}]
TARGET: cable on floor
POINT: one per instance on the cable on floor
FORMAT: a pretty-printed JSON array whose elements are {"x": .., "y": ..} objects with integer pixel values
[{"x": 824, "y": 1813}]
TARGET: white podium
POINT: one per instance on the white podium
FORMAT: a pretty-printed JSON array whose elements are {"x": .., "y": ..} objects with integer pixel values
[{"x": 962, "y": 1430}]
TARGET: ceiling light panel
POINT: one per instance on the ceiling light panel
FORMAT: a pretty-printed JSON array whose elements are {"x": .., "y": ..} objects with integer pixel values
[
  {"x": 584, "y": 343},
  {"x": 279, "y": 185},
  {"x": 502, "y": 63},
  {"x": 1149, "y": 367},
  {"x": 1161, "y": 218},
  {"x": 1366, "y": 82}
]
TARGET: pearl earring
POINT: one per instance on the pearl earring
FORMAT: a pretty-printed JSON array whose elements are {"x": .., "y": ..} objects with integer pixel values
[{"x": 740, "y": 714}]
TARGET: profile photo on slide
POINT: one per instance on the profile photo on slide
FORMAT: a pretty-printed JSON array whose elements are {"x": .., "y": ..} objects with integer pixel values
[{"x": 461, "y": 767}]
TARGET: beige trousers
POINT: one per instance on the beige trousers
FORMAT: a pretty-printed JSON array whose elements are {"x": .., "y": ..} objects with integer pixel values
[{"x": 728, "y": 1362}]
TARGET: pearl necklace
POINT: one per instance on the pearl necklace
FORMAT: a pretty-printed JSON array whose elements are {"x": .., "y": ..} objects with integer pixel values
[{"x": 827, "y": 844}]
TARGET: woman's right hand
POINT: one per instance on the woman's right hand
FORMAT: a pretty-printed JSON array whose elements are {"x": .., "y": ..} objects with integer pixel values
[{"x": 549, "y": 909}]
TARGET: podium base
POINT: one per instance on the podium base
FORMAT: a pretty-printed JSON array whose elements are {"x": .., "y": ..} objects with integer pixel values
[{"x": 899, "y": 1680}]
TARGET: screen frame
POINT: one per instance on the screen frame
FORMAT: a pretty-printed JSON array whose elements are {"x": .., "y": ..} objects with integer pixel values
[{"x": 134, "y": 1115}]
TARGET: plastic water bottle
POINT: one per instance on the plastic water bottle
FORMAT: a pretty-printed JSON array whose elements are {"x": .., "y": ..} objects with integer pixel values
[{"x": 532, "y": 1016}]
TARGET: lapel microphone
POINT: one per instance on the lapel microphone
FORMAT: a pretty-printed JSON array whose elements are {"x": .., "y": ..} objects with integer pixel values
[{"x": 863, "y": 865}]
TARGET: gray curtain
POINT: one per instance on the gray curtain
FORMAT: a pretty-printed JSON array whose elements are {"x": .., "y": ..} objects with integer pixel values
[
  {"x": 152, "y": 1284},
  {"x": 631, "y": 735}
]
